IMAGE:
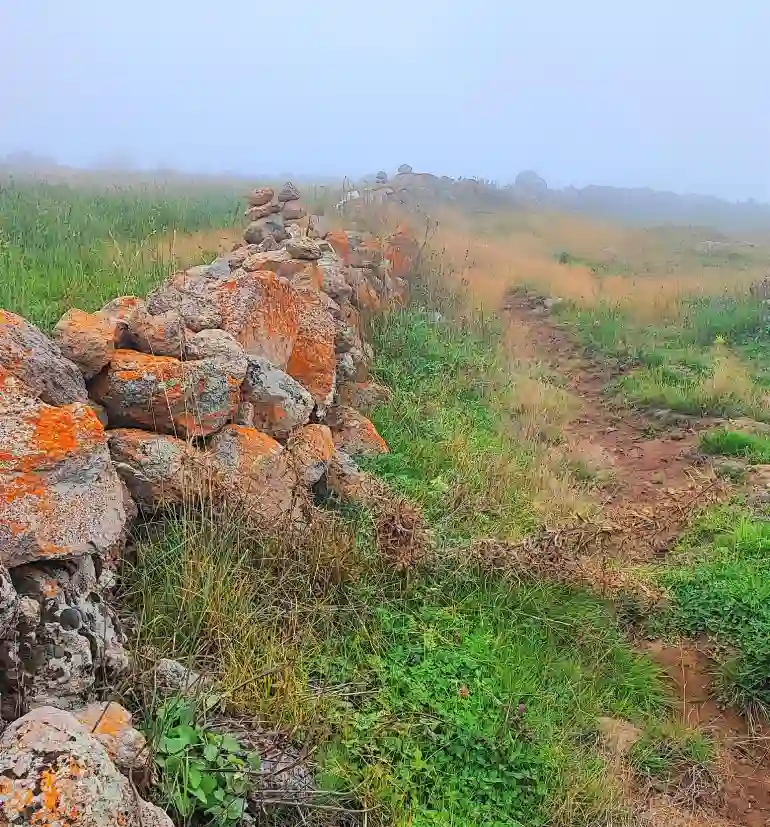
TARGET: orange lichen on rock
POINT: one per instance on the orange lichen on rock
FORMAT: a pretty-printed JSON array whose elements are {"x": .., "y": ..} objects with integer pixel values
[
  {"x": 401, "y": 250},
  {"x": 260, "y": 311},
  {"x": 313, "y": 359},
  {"x": 311, "y": 448},
  {"x": 353, "y": 433}
]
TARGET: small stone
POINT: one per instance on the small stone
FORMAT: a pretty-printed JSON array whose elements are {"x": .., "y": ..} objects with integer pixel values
[
  {"x": 271, "y": 225},
  {"x": 288, "y": 193},
  {"x": 353, "y": 433},
  {"x": 29, "y": 355},
  {"x": 255, "y": 473},
  {"x": 158, "y": 470},
  {"x": 404, "y": 169},
  {"x": 86, "y": 339},
  {"x": 261, "y": 196},
  {"x": 318, "y": 226},
  {"x": 311, "y": 449},
  {"x": 279, "y": 402},
  {"x": 161, "y": 335},
  {"x": 213, "y": 344},
  {"x": 59, "y": 494},
  {"x": 363, "y": 396},
  {"x": 255, "y": 213},
  {"x": 118, "y": 313},
  {"x": 293, "y": 211},
  {"x": 167, "y": 395},
  {"x": 197, "y": 312},
  {"x": 304, "y": 248},
  {"x": 172, "y": 677}
]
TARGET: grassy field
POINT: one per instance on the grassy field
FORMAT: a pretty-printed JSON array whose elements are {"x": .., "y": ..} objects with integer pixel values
[{"x": 451, "y": 696}]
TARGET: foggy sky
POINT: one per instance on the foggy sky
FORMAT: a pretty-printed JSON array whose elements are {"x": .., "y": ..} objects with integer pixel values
[{"x": 672, "y": 94}]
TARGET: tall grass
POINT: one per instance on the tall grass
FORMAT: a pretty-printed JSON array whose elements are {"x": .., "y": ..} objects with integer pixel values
[{"x": 63, "y": 247}]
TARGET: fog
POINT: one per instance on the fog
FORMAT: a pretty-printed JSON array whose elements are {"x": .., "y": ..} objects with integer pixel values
[{"x": 671, "y": 95}]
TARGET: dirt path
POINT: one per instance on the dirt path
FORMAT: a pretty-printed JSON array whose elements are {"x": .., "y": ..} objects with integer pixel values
[{"x": 657, "y": 479}]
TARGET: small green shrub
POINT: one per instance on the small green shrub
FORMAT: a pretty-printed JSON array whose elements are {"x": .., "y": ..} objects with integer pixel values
[
  {"x": 753, "y": 447},
  {"x": 204, "y": 775}
]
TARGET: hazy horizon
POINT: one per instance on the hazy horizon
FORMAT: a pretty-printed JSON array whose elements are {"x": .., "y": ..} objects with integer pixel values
[{"x": 671, "y": 99}]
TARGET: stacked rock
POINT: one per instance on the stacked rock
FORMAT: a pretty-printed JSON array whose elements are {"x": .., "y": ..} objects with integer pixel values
[{"x": 236, "y": 381}]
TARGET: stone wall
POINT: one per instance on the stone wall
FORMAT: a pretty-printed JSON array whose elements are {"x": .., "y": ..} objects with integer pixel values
[{"x": 241, "y": 379}]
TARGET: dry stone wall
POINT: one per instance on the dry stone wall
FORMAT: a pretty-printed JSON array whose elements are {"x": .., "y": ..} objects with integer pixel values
[{"x": 245, "y": 379}]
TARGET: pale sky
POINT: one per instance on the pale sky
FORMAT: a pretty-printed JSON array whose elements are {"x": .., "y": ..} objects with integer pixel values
[{"x": 672, "y": 94}]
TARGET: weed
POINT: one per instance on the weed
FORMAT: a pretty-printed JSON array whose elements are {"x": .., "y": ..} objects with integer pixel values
[
  {"x": 202, "y": 772},
  {"x": 753, "y": 447}
]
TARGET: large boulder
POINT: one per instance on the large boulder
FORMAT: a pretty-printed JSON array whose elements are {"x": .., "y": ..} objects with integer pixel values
[
  {"x": 261, "y": 312},
  {"x": 279, "y": 403},
  {"x": 216, "y": 344},
  {"x": 31, "y": 356},
  {"x": 59, "y": 494},
  {"x": 256, "y": 473},
  {"x": 87, "y": 339},
  {"x": 353, "y": 433},
  {"x": 401, "y": 251},
  {"x": 311, "y": 449},
  {"x": 64, "y": 636},
  {"x": 164, "y": 394},
  {"x": 158, "y": 470},
  {"x": 54, "y": 773},
  {"x": 313, "y": 359}
]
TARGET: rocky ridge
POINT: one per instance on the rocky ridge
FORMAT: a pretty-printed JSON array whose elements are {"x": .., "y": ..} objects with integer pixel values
[{"x": 237, "y": 379}]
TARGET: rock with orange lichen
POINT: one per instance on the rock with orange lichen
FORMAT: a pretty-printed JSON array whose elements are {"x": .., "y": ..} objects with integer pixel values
[
  {"x": 311, "y": 449},
  {"x": 363, "y": 396},
  {"x": 110, "y": 724},
  {"x": 255, "y": 473},
  {"x": 161, "y": 334},
  {"x": 278, "y": 402},
  {"x": 261, "y": 312},
  {"x": 55, "y": 773},
  {"x": 353, "y": 433},
  {"x": 59, "y": 494},
  {"x": 25, "y": 352},
  {"x": 66, "y": 637},
  {"x": 169, "y": 396},
  {"x": 86, "y": 339},
  {"x": 158, "y": 470},
  {"x": 313, "y": 359},
  {"x": 401, "y": 251},
  {"x": 118, "y": 313}
]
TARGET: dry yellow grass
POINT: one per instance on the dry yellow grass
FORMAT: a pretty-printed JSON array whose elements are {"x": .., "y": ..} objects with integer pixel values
[{"x": 646, "y": 273}]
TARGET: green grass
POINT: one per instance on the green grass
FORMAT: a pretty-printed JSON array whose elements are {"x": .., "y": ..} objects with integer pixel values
[
  {"x": 687, "y": 366},
  {"x": 451, "y": 449},
  {"x": 452, "y": 698},
  {"x": 753, "y": 447},
  {"x": 57, "y": 243},
  {"x": 719, "y": 585}
]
